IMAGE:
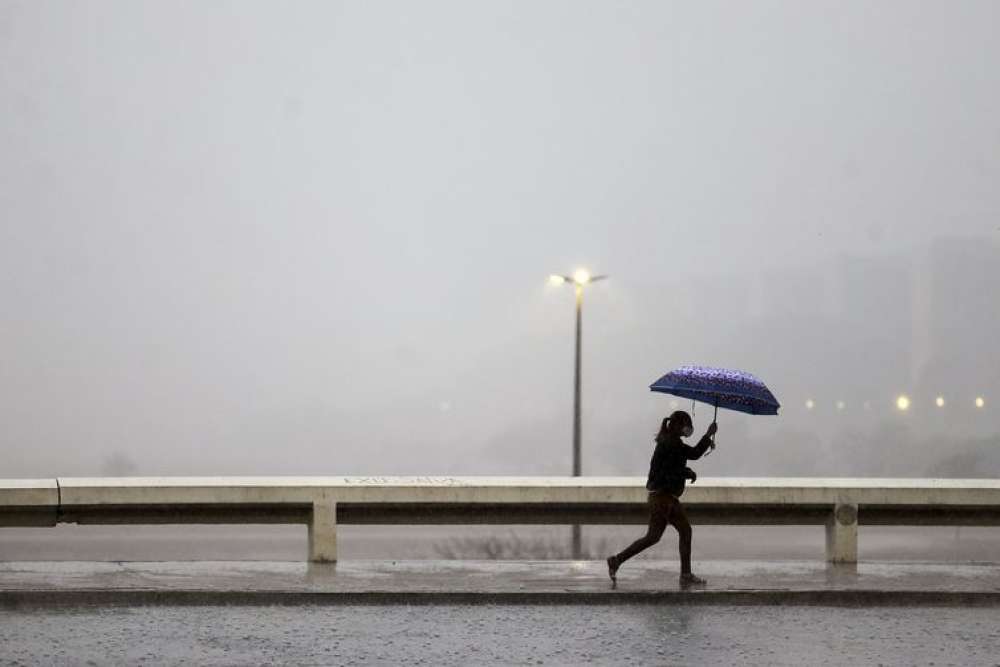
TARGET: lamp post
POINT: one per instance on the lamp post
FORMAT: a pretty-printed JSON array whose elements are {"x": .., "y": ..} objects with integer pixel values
[{"x": 579, "y": 280}]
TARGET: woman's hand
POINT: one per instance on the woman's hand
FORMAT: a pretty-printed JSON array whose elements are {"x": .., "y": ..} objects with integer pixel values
[{"x": 710, "y": 433}]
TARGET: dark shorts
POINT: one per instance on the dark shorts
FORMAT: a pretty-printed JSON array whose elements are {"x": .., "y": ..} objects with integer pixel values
[{"x": 661, "y": 505}]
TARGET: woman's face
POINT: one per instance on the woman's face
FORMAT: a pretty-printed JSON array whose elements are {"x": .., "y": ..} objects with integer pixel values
[{"x": 681, "y": 429}]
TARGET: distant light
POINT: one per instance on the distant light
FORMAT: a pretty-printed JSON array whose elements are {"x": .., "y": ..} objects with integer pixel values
[
  {"x": 868, "y": 405},
  {"x": 939, "y": 401},
  {"x": 810, "y": 404},
  {"x": 674, "y": 405},
  {"x": 445, "y": 406},
  {"x": 581, "y": 277},
  {"x": 903, "y": 403},
  {"x": 841, "y": 405},
  {"x": 556, "y": 280},
  {"x": 980, "y": 401}
]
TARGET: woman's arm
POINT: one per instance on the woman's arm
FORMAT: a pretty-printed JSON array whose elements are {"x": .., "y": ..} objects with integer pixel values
[{"x": 696, "y": 452}]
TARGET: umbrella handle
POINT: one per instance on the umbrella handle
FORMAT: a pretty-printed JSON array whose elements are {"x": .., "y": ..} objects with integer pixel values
[{"x": 715, "y": 418}]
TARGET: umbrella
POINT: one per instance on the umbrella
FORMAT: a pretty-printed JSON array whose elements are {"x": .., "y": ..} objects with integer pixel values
[{"x": 721, "y": 388}]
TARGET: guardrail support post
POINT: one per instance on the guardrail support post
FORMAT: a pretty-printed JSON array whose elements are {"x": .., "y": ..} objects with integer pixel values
[
  {"x": 323, "y": 532},
  {"x": 842, "y": 534}
]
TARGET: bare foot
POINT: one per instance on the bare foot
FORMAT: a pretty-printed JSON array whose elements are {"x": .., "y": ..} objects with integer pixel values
[
  {"x": 613, "y": 571},
  {"x": 689, "y": 579}
]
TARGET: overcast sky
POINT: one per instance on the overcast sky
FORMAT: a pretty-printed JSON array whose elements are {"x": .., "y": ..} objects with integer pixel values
[{"x": 314, "y": 237}]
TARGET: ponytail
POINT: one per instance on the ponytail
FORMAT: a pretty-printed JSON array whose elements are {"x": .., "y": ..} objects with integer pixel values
[
  {"x": 662, "y": 435},
  {"x": 679, "y": 416}
]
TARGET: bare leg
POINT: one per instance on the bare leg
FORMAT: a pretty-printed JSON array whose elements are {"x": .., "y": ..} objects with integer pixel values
[
  {"x": 679, "y": 520},
  {"x": 659, "y": 516},
  {"x": 653, "y": 534}
]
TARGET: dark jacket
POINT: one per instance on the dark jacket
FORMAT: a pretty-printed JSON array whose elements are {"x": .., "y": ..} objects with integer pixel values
[{"x": 668, "y": 467}]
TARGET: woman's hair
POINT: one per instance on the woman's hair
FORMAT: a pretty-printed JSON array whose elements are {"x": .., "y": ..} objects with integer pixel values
[{"x": 680, "y": 417}]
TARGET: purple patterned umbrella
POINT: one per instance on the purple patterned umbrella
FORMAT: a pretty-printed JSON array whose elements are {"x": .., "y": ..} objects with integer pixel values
[{"x": 720, "y": 387}]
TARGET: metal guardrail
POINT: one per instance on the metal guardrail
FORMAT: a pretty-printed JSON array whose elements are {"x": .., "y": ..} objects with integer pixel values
[{"x": 323, "y": 502}]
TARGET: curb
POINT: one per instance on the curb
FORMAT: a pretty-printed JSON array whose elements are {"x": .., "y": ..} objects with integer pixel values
[{"x": 24, "y": 599}]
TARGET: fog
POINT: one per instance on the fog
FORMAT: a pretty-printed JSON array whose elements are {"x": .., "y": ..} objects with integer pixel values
[{"x": 313, "y": 238}]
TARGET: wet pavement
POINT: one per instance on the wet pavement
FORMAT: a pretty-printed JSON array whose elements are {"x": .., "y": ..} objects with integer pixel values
[
  {"x": 375, "y": 612},
  {"x": 510, "y": 582},
  {"x": 505, "y": 634}
]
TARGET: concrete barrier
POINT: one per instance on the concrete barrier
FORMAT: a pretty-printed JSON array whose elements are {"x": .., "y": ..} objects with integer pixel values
[
  {"x": 322, "y": 502},
  {"x": 28, "y": 502}
]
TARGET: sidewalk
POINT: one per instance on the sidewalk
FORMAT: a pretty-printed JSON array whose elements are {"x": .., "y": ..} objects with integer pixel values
[{"x": 28, "y": 583}]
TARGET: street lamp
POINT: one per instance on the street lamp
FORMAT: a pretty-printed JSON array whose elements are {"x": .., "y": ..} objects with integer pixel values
[{"x": 579, "y": 279}]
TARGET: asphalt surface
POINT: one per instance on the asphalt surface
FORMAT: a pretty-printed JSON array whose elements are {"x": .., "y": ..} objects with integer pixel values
[
  {"x": 487, "y": 634},
  {"x": 646, "y": 620},
  {"x": 275, "y": 543},
  {"x": 29, "y": 583}
]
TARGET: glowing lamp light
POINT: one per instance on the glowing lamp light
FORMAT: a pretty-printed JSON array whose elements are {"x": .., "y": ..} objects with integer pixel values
[
  {"x": 810, "y": 404},
  {"x": 841, "y": 405},
  {"x": 556, "y": 280},
  {"x": 581, "y": 277},
  {"x": 980, "y": 401},
  {"x": 939, "y": 401},
  {"x": 903, "y": 403}
]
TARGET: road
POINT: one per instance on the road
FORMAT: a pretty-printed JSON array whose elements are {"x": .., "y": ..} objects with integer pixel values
[
  {"x": 488, "y": 634},
  {"x": 195, "y": 542}
]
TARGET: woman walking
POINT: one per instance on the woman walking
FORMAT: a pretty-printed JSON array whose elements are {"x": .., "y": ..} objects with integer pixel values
[{"x": 668, "y": 472}]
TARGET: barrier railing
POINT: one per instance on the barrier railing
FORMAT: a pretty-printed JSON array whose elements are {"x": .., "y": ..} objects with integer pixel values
[{"x": 841, "y": 505}]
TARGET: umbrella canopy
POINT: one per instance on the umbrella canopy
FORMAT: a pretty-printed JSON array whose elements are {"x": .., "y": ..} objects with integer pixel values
[{"x": 721, "y": 387}]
